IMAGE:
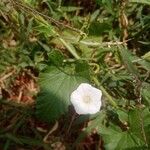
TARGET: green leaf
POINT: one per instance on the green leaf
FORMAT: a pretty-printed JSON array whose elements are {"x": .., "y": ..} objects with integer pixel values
[
  {"x": 97, "y": 29},
  {"x": 146, "y": 94},
  {"x": 139, "y": 121},
  {"x": 121, "y": 140},
  {"x": 146, "y": 114},
  {"x": 44, "y": 28},
  {"x": 82, "y": 69},
  {"x": 94, "y": 15},
  {"x": 54, "y": 98},
  {"x": 141, "y": 1},
  {"x": 126, "y": 58},
  {"x": 135, "y": 126},
  {"x": 115, "y": 138},
  {"x": 146, "y": 56},
  {"x": 107, "y": 4},
  {"x": 44, "y": 46},
  {"x": 123, "y": 116},
  {"x": 145, "y": 64},
  {"x": 70, "y": 8},
  {"x": 86, "y": 51},
  {"x": 56, "y": 57}
]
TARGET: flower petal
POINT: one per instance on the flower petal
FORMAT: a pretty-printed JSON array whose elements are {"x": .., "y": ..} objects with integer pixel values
[{"x": 79, "y": 102}]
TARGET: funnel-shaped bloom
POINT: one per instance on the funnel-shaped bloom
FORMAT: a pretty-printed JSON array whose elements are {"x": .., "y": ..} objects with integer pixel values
[{"x": 86, "y": 99}]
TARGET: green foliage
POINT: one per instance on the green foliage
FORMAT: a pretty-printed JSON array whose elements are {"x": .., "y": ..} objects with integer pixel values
[
  {"x": 146, "y": 56},
  {"x": 62, "y": 44},
  {"x": 146, "y": 94},
  {"x": 126, "y": 136},
  {"x": 126, "y": 57},
  {"x": 142, "y": 1},
  {"x": 54, "y": 98}
]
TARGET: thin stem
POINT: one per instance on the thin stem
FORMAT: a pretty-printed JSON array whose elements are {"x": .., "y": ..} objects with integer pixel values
[
  {"x": 54, "y": 128},
  {"x": 71, "y": 122},
  {"x": 110, "y": 99},
  {"x": 70, "y": 49}
]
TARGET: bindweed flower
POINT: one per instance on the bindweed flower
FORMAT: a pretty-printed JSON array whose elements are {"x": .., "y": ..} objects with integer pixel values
[{"x": 86, "y": 99}]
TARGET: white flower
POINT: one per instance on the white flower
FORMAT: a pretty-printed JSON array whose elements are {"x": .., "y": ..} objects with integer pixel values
[{"x": 86, "y": 99}]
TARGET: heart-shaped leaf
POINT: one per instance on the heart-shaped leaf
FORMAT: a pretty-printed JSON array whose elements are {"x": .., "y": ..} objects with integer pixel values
[{"x": 54, "y": 98}]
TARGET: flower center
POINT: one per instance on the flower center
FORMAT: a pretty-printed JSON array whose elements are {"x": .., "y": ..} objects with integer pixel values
[{"x": 87, "y": 99}]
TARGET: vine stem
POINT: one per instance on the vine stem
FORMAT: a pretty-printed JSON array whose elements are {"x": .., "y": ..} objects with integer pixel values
[
  {"x": 71, "y": 122},
  {"x": 70, "y": 49},
  {"x": 110, "y": 99}
]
